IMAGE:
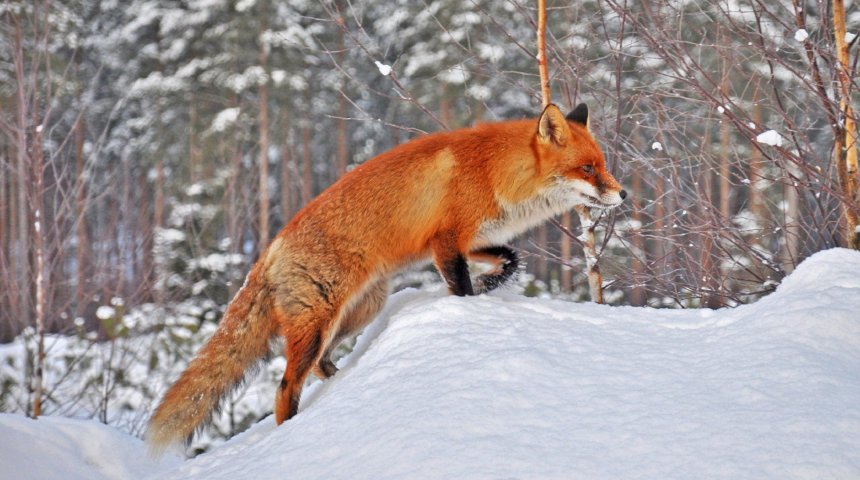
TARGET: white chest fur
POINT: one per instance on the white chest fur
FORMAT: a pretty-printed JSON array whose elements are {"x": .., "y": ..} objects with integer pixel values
[{"x": 516, "y": 218}]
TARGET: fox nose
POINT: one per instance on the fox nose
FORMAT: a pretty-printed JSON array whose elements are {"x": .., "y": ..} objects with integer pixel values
[{"x": 623, "y": 194}]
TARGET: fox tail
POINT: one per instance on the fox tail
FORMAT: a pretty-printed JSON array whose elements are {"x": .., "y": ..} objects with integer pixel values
[{"x": 241, "y": 340}]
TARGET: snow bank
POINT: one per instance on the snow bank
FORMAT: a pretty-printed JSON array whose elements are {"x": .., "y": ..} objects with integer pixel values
[
  {"x": 503, "y": 386},
  {"x": 507, "y": 387},
  {"x": 69, "y": 449}
]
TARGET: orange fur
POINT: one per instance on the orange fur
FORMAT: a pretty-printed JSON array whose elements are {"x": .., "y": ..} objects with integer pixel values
[{"x": 323, "y": 277}]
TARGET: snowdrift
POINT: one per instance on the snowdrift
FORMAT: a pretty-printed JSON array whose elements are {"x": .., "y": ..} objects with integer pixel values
[
  {"x": 503, "y": 386},
  {"x": 70, "y": 449}
]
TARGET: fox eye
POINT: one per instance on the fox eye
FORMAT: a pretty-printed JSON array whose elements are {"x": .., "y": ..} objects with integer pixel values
[{"x": 588, "y": 170}]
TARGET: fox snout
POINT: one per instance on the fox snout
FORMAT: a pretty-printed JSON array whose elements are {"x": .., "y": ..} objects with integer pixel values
[
  {"x": 611, "y": 198},
  {"x": 609, "y": 193}
]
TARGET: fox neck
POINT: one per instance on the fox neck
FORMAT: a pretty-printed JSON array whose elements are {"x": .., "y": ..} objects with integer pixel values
[{"x": 517, "y": 217}]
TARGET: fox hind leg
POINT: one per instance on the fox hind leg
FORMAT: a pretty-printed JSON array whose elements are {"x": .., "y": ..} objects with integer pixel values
[
  {"x": 305, "y": 321},
  {"x": 362, "y": 312}
]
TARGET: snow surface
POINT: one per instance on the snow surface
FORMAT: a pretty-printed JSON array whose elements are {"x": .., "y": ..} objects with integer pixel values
[
  {"x": 69, "y": 449},
  {"x": 501, "y": 386}
]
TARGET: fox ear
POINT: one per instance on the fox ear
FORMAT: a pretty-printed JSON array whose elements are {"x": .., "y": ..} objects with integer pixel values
[
  {"x": 552, "y": 126},
  {"x": 579, "y": 114}
]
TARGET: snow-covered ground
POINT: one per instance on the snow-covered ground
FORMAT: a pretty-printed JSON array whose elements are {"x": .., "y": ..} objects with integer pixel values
[
  {"x": 503, "y": 386},
  {"x": 70, "y": 449}
]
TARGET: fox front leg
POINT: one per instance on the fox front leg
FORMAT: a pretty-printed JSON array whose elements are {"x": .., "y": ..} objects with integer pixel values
[
  {"x": 506, "y": 260},
  {"x": 455, "y": 271},
  {"x": 451, "y": 263}
]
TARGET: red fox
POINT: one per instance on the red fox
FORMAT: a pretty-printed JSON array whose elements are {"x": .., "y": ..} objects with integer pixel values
[{"x": 450, "y": 196}]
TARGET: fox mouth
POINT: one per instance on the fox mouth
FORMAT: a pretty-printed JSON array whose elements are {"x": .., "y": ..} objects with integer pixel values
[
  {"x": 579, "y": 192},
  {"x": 595, "y": 202}
]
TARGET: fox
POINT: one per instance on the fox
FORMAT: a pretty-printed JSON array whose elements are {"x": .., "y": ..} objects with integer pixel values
[{"x": 448, "y": 197}]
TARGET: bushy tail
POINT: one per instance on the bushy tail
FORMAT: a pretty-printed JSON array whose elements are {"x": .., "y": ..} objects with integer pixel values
[{"x": 241, "y": 340}]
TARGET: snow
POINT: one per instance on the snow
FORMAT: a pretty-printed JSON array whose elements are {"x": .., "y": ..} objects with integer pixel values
[
  {"x": 169, "y": 235},
  {"x": 481, "y": 93},
  {"x": 503, "y": 386},
  {"x": 225, "y": 119},
  {"x": 384, "y": 69},
  {"x": 53, "y": 447},
  {"x": 801, "y": 35},
  {"x": 105, "y": 312},
  {"x": 849, "y": 37},
  {"x": 657, "y": 146},
  {"x": 217, "y": 262},
  {"x": 770, "y": 137},
  {"x": 253, "y": 76},
  {"x": 243, "y": 5},
  {"x": 278, "y": 77},
  {"x": 493, "y": 53},
  {"x": 455, "y": 75}
]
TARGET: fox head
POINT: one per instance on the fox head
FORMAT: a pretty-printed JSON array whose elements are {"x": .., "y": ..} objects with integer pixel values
[{"x": 571, "y": 162}]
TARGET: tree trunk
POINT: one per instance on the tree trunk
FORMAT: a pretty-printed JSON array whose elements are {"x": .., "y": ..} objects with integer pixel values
[
  {"x": 160, "y": 290},
  {"x": 725, "y": 146},
  {"x": 845, "y": 148},
  {"x": 541, "y": 264},
  {"x": 286, "y": 204},
  {"x": 23, "y": 164},
  {"x": 709, "y": 269},
  {"x": 307, "y": 170},
  {"x": 124, "y": 247},
  {"x": 791, "y": 230},
  {"x": 4, "y": 206},
  {"x": 193, "y": 147},
  {"x": 7, "y": 234},
  {"x": 595, "y": 278},
  {"x": 444, "y": 105},
  {"x": 234, "y": 227},
  {"x": 264, "y": 150},
  {"x": 725, "y": 171},
  {"x": 37, "y": 205},
  {"x": 158, "y": 212},
  {"x": 342, "y": 133},
  {"x": 565, "y": 277},
  {"x": 638, "y": 295},
  {"x": 147, "y": 263},
  {"x": 12, "y": 278},
  {"x": 545, "y": 92},
  {"x": 81, "y": 256},
  {"x": 756, "y": 202}
]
